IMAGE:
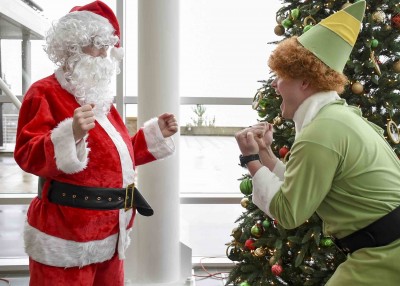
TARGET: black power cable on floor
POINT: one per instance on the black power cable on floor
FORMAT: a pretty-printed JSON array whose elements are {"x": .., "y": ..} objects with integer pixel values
[{"x": 5, "y": 280}]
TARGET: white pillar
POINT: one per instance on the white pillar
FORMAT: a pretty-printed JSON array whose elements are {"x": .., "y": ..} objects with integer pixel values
[
  {"x": 26, "y": 63},
  {"x": 120, "y": 79},
  {"x": 154, "y": 256}
]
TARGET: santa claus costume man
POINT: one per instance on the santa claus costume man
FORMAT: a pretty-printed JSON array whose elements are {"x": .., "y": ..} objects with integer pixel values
[{"x": 70, "y": 134}]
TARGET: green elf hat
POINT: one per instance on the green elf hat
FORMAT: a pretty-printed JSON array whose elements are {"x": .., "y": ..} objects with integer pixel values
[{"x": 332, "y": 39}]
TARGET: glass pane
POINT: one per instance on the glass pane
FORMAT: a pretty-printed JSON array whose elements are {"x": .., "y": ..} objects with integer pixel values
[
  {"x": 209, "y": 164},
  {"x": 11, "y": 65},
  {"x": 224, "y": 46},
  {"x": 206, "y": 228},
  {"x": 217, "y": 116}
]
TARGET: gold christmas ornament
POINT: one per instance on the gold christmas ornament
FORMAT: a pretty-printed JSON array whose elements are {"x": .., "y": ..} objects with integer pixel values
[
  {"x": 277, "y": 121},
  {"x": 387, "y": 27},
  {"x": 393, "y": 132},
  {"x": 244, "y": 202},
  {"x": 236, "y": 233},
  {"x": 375, "y": 63},
  {"x": 257, "y": 98},
  {"x": 279, "y": 30},
  {"x": 309, "y": 21},
  {"x": 260, "y": 252},
  {"x": 379, "y": 16},
  {"x": 357, "y": 88},
  {"x": 396, "y": 67}
]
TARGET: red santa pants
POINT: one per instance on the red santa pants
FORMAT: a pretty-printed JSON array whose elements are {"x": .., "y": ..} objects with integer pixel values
[{"x": 110, "y": 272}]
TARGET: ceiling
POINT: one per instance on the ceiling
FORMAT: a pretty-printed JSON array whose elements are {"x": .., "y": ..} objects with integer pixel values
[{"x": 20, "y": 21}]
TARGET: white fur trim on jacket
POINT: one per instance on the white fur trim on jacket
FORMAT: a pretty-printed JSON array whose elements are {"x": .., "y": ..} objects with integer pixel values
[
  {"x": 54, "y": 251},
  {"x": 157, "y": 145},
  {"x": 265, "y": 185},
  {"x": 279, "y": 169},
  {"x": 70, "y": 157},
  {"x": 128, "y": 173}
]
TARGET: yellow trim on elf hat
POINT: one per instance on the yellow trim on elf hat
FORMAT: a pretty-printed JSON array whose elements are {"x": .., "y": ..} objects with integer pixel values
[{"x": 333, "y": 39}]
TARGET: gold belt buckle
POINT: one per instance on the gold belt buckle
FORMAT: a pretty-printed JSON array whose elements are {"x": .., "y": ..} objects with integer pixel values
[{"x": 130, "y": 189}]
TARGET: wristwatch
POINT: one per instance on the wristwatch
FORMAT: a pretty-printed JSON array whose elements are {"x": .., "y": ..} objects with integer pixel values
[{"x": 246, "y": 159}]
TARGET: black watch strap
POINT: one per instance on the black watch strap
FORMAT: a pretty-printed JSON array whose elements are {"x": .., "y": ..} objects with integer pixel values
[{"x": 246, "y": 159}]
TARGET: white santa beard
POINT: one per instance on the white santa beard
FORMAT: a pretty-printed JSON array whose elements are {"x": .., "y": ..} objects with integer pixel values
[{"x": 90, "y": 82}]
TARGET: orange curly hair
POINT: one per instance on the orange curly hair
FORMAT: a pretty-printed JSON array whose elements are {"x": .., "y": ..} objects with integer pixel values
[{"x": 291, "y": 59}]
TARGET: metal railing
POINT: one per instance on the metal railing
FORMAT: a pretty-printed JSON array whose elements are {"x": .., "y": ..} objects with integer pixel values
[{"x": 10, "y": 122}]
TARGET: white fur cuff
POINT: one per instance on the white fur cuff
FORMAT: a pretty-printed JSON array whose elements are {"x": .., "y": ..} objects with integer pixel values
[
  {"x": 157, "y": 145},
  {"x": 265, "y": 185},
  {"x": 279, "y": 169},
  {"x": 70, "y": 158}
]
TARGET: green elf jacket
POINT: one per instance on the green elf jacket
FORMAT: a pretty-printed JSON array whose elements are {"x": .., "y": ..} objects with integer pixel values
[{"x": 341, "y": 167}]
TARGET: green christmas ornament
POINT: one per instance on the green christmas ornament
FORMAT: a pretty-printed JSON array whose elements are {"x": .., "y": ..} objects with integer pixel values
[
  {"x": 262, "y": 113},
  {"x": 256, "y": 231},
  {"x": 295, "y": 13},
  {"x": 262, "y": 104},
  {"x": 287, "y": 23},
  {"x": 266, "y": 224},
  {"x": 245, "y": 283},
  {"x": 246, "y": 186},
  {"x": 306, "y": 28},
  {"x": 326, "y": 242},
  {"x": 374, "y": 43}
]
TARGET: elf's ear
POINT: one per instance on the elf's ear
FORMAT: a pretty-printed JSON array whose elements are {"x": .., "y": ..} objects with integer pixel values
[{"x": 305, "y": 84}]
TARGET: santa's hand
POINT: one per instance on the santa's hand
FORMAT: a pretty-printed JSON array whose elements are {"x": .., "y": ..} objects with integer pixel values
[
  {"x": 83, "y": 121},
  {"x": 246, "y": 142},
  {"x": 168, "y": 124}
]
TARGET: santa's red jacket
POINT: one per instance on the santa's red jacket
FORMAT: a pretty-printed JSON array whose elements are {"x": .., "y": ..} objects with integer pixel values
[{"x": 66, "y": 236}]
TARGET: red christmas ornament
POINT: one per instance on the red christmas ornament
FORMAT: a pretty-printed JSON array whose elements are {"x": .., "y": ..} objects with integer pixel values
[
  {"x": 283, "y": 151},
  {"x": 249, "y": 244},
  {"x": 276, "y": 269},
  {"x": 396, "y": 21}
]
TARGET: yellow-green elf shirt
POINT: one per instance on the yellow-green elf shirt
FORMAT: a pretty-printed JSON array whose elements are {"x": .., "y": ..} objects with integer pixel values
[{"x": 342, "y": 168}]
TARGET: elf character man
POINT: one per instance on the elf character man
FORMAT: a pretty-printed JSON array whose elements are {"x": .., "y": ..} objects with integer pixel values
[
  {"x": 340, "y": 166},
  {"x": 70, "y": 135}
]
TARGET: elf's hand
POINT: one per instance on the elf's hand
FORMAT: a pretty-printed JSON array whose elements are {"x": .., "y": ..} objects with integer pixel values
[
  {"x": 263, "y": 134},
  {"x": 168, "y": 124},
  {"x": 83, "y": 121},
  {"x": 247, "y": 143}
]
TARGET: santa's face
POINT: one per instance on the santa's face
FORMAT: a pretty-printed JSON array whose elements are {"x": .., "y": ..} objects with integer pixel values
[
  {"x": 95, "y": 52},
  {"x": 98, "y": 47},
  {"x": 91, "y": 77}
]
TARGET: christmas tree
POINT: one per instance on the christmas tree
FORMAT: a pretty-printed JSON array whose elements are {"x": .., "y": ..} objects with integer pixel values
[{"x": 264, "y": 252}]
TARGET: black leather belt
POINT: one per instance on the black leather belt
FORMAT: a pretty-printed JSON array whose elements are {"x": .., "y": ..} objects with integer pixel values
[
  {"x": 379, "y": 233},
  {"x": 98, "y": 198}
]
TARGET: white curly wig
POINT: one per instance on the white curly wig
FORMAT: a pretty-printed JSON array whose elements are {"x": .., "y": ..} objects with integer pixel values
[{"x": 67, "y": 36}]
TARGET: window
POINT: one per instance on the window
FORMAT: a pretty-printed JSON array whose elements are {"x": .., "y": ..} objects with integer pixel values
[{"x": 223, "y": 55}]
